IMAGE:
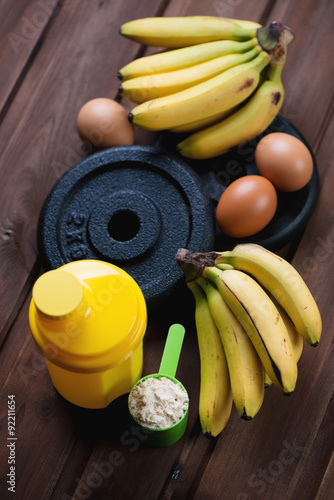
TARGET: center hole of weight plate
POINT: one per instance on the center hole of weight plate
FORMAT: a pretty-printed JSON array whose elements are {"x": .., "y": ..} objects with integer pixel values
[{"x": 124, "y": 225}]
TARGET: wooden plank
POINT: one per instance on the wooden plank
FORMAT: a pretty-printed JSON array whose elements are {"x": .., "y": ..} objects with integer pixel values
[
  {"x": 251, "y": 11},
  {"x": 41, "y": 143},
  {"x": 263, "y": 457},
  {"x": 217, "y": 468},
  {"x": 317, "y": 476},
  {"x": 314, "y": 255},
  {"x": 42, "y": 424},
  {"x": 309, "y": 71},
  {"x": 327, "y": 485},
  {"x": 222, "y": 468},
  {"x": 130, "y": 447},
  {"x": 309, "y": 429},
  {"x": 162, "y": 484},
  {"x": 22, "y": 26},
  {"x": 314, "y": 261},
  {"x": 307, "y": 410},
  {"x": 36, "y": 128},
  {"x": 79, "y": 60},
  {"x": 65, "y": 483}
]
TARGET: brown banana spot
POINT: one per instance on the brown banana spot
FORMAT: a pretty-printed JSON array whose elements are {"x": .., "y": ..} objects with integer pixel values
[
  {"x": 275, "y": 98},
  {"x": 247, "y": 83},
  {"x": 278, "y": 54}
]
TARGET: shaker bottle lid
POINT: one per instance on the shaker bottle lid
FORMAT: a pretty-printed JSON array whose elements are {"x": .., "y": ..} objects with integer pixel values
[
  {"x": 109, "y": 319},
  {"x": 57, "y": 294}
]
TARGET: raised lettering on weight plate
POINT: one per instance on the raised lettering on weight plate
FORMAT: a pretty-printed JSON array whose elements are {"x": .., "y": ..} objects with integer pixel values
[{"x": 75, "y": 236}]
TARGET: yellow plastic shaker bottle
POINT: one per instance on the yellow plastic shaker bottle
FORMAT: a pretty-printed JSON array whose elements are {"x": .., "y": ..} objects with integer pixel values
[{"x": 88, "y": 318}]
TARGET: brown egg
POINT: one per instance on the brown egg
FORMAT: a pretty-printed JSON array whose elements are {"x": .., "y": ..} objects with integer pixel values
[
  {"x": 284, "y": 160},
  {"x": 104, "y": 123},
  {"x": 246, "y": 206}
]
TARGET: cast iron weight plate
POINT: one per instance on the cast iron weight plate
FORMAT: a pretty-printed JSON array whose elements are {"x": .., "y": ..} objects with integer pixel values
[
  {"x": 131, "y": 206},
  {"x": 294, "y": 209}
]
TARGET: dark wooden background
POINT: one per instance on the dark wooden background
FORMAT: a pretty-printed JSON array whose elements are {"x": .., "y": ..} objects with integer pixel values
[{"x": 54, "y": 56}]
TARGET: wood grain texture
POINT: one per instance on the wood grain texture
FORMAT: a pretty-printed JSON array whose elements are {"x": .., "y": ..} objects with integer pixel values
[
  {"x": 23, "y": 24},
  {"x": 78, "y": 61},
  {"x": 67, "y": 452},
  {"x": 308, "y": 66}
]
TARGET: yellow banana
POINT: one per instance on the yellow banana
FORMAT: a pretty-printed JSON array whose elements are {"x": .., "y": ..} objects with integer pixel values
[
  {"x": 208, "y": 98},
  {"x": 243, "y": 125},
  {"x": 267, "y": 380},
  {"x": 283, "y": 281},
  {"x": 262, "y": 322},
  {"x": 297, "y": 341},
  {"x": 184, "y": 31},
  {"x": 246, "y": 24},
  {"x": 204, "y": 122},
  {"x": 244, "y": 365},
  {"x": 183, "y": 58},
  {"x": 215, "y": 400},
  {"x": 144, "y": 88}
]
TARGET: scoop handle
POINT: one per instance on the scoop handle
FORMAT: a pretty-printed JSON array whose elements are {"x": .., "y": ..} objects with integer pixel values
[{"x": 172, "y": 350}]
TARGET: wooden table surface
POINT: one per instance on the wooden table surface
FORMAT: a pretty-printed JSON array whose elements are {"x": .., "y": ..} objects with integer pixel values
[{"x": 54, "y": 56}]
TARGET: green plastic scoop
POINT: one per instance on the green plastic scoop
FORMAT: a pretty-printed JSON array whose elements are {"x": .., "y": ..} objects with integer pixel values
[{"x": 165, "y": 436}]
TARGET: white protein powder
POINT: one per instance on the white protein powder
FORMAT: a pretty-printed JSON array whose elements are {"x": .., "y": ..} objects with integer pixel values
[{"x": 158, "y": 402}]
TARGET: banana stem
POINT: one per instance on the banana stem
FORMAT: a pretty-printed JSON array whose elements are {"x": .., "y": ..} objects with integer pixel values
[
  {"x": 192, "y": 264},
  {"x": 275, "y": 39}
]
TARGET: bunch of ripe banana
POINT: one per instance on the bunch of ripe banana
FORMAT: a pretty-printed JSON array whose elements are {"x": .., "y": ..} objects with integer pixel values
[
  {"x": 253, "y": 312},
  {"x": 219, "y": 81}
]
